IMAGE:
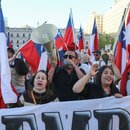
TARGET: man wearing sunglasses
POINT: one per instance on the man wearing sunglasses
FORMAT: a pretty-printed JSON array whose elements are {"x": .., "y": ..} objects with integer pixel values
[
  {"x": 65, "y": 76},
  {"x": 97, "y": 58}
]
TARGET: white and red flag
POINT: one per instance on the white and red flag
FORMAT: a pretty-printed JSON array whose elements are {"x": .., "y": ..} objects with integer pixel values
[
  {"x": 7, "y": 94},
  {"x": 93, "y": 43}
]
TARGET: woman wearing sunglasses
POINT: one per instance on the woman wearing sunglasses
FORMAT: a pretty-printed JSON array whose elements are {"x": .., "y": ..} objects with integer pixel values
[{"x": 65, "y": 76}]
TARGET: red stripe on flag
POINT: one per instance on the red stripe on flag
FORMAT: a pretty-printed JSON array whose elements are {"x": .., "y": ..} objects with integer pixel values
[
  {"x": 118, "y": 56},
  {"x": 31, "y": 55}
]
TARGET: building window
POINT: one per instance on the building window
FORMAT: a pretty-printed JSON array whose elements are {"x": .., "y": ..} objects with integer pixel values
[
  {"x": 23, "y": 35},
  {"x": 23, "y": 41},
  {"x": 11, "y": 34},
  {"x": 17, "y": 41},
  {"x": 17, "y": 35},
  {"x": 29, "y": 35},
  {"x": 11, "y": 41},
  {"x": 17, "y": 45}
]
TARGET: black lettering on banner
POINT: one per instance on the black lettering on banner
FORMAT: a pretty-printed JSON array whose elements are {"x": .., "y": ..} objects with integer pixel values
[
  {"x": 80, "y": 120},
  {"x": 104, "y": 118},
  {"x": 52, "y": 121},
  {"x": 15, "y": 122}
]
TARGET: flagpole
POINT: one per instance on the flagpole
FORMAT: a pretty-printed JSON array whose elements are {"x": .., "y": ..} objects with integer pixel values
[
  {"x": 72, "y": 21},
  {"x": 121, "y": 25}
]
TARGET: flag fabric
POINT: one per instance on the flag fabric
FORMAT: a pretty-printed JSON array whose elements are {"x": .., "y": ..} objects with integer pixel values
[
  {"x": 9, "y": 44},
  {"x": 69, "y": 36},
  {"x": 80, "y": 39},
  {"x": 59, "y": 43},
  {"x": 93, "y": 42},
  {"x": 43, "y": 61},
  {"x": 32, "y": 53},
  {"x": 121, "y": 60},
  {"x": 7, "y": 94},
  {"x": 127, "y": 37}
]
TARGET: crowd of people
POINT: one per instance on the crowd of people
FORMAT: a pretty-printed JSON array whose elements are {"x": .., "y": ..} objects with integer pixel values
[{"x": 78, "y": 78}]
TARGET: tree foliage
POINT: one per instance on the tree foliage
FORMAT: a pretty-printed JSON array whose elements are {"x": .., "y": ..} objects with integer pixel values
[{"x": 105, "y": 39}]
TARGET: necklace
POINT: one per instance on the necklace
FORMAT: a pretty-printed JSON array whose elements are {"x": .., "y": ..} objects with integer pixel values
[{"x": 34, "y": 100}]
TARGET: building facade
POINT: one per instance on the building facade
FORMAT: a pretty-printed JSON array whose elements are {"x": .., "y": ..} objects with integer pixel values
[
  {"x": 110, "y": 21},
  {"x": 99, "y": 23},
  {"x": 18, "y": 36},
  {"x": 112, "y": 18}
]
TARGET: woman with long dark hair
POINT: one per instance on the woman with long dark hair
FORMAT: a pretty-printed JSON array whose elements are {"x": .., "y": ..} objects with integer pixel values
[{"x": 102, "y": 86}]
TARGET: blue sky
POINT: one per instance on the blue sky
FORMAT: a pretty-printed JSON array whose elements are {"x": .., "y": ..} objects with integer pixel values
[{"x": 30, "y": 12}]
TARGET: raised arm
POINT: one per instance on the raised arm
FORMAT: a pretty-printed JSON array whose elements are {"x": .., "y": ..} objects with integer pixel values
[
  {"x": 78, "y": 72},
  {"x": 14, "y": 56},
  {"x": 53, "y": 64},
  {"x": 117, "y": 73},
  {"x": 76, "y": 68},
  {"x": 80, "y": 84}
]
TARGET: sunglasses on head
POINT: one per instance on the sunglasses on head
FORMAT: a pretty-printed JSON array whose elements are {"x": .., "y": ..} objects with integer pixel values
[{"x": 69, "y": 56}]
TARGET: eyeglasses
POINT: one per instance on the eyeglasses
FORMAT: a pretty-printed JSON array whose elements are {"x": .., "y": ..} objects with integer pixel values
[{"x": 69, "y": 56}]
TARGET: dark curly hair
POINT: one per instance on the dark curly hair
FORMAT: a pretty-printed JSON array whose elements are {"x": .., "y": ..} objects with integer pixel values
[
  {"x": 11, "y": 50},
  {"x": 20, "y": 66}
]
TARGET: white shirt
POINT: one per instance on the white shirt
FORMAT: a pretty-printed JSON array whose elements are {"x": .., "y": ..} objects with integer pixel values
[
  {"x": 85, "y": 67},
  {"x": 99, "y": 62}
]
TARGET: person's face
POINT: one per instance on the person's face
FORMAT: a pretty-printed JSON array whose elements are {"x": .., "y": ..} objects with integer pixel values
[
  {"x": 107, "y": 77},
  {"x": 96, "y": 56},
  {"x": 10, "y": 55},
  {"x": 40, "y": 81},
  {"x": 71, "y": 56}
]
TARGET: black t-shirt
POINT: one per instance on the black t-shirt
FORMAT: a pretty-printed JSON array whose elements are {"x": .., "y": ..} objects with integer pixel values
[
  {"x": 93, "y": 91},
  {"x": 63, "y": 84}
]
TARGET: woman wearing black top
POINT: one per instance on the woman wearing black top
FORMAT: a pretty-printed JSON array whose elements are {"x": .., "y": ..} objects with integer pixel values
[{"x": 102, "y": 86}]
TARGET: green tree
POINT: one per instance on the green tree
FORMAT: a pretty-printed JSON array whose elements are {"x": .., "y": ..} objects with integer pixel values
[{"x": 105, "y": 39}]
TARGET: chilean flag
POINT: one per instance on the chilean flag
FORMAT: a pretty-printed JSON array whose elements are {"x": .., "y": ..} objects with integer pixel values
[
  {"x": 69, "y": 37},
  {"x": 32, "y": 53},
  {"x": 121, "y": 59},
  {"x": 80, "y": 39},
  {"x": 93, "y": 43},
  {"x": 9, "y": 44},
  {"x": 7, "y": 94},
  {"x": 59, "y": 42},
  {"x": 128, "y": 45}
]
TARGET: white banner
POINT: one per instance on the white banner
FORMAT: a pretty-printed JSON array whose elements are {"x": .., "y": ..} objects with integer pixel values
[{"x": 98, "y": 114}]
